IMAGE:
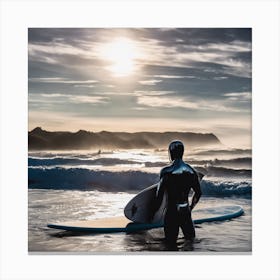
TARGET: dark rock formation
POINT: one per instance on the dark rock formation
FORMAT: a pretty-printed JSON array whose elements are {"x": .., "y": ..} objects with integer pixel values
[{"x": 39, "y": 139}]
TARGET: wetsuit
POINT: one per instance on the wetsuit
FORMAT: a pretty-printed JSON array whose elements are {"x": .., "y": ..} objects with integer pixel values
[{"x": 177, "y": 180}]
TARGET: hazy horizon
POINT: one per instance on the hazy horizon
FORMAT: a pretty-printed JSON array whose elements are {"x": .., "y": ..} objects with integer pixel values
[
  {"x": 236, "y": 143},
  {"x": 181, "y": 79}
]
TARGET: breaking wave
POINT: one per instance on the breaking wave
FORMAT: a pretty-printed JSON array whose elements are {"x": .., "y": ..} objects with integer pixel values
[
  {"x": 80, "y": 164},
  {"x": 226, "y": 188},
  {"x": 241, "y": 161},
  {"x": 228, "y": 172},
  {"x": 224, "y": 152},
  {"x": 76, "y": 161},
  {"x": 86, "y": 179}
]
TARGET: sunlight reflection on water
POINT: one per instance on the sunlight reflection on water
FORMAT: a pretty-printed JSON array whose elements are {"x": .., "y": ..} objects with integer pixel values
[
  {"x": 50, "y": 205},
  {"x": 233, "y": 236}
]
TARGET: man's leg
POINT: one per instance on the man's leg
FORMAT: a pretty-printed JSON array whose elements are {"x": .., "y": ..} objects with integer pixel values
[
  {"x": 186, "y": 223},
  {"x": 171, "y": 226}
]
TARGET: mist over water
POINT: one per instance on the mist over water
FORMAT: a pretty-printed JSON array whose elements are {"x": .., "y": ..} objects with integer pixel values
[{"x": 79, "y": 185}]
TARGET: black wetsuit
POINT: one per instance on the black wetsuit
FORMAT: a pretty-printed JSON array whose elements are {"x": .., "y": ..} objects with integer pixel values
[{"x": 177, "y": 180}]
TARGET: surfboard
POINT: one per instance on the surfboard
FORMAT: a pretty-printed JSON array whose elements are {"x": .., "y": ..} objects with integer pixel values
[
  {"x": 138, "y": 209},
  {"x": 122, "y": 224}
]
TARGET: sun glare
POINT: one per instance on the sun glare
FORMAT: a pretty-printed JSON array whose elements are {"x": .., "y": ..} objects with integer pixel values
[{"x": 122, "y": 54}]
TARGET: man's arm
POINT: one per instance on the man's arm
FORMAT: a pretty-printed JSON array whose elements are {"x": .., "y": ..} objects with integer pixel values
[{"x": 197, "y": 192}]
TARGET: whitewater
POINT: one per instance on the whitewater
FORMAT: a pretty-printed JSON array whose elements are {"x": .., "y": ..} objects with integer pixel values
[{"x": 85, "y": 185}]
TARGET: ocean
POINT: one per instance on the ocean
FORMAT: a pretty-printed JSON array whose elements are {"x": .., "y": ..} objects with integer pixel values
[{"x": 85, "y": 185}]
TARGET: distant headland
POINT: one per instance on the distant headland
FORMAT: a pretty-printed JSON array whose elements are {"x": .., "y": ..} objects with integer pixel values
[{"x": 39, "y": 139}]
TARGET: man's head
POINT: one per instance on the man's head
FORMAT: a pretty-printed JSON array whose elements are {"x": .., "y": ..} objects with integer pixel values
[{"x": 176, "y": 150}]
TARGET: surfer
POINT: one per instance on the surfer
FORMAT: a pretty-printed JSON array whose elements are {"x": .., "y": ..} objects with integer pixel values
[{"x": 177, "y": 179}]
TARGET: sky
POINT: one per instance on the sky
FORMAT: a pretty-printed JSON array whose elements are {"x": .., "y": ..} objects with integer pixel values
[{"x": 181, "y": 79}]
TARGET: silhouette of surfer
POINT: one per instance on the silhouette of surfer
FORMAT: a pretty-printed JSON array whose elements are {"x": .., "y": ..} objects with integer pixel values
[{"x": 177, "y": 179}]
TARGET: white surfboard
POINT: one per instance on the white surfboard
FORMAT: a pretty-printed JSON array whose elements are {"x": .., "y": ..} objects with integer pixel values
[
  {"x": 122, "y": 224},
  {"x": 138, "y": 209}
]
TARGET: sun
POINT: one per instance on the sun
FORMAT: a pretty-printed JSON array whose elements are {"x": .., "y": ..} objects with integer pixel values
[{"x": 121, "y": 54}]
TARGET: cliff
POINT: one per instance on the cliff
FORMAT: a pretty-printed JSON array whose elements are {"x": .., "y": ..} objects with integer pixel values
[{"x": 39, "y": 139}]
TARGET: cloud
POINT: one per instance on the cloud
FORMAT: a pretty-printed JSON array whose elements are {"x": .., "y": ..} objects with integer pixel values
[
  {"x": 176, "y": 47},
  {"x": 173, "y": 77},
  {"x": 45, "y": 98},
  {"x": 47, "y": 95},
  {"x": 230, "y": 56},
  {"x": 241, "y": 96},
  {"x": 234, "y": 46},
  {"x": 85, "y": 86},
  {"x": 220, "y": 78},
  {"x": 152, "y": 92},
  {"x": 52, "y": 98},
  {"x": 56, "y": 48},
  {"x": 166, "y": 102},
  {"x": 138, "y": 108},
  {"x": 59, "y": 80},
  {"x": 89, "y": 99},
  {"x": 178, "y": 102},
  {"x": 149, "y": 82}
]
